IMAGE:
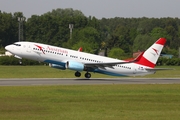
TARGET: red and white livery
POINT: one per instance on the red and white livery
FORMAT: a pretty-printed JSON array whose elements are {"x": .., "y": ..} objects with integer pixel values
[{"x": 63, "y": 58}]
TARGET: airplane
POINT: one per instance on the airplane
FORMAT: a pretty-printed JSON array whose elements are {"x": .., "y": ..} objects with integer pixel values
[{"x": 62, "y": 58}]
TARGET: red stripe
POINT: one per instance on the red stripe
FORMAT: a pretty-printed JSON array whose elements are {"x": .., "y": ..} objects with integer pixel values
[
  {"x": 145, "y": 62},
  {"x": 161, "y": 41}
]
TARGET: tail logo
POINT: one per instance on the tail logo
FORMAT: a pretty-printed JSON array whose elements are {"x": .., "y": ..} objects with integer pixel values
[{"x": 156, "y": 51}]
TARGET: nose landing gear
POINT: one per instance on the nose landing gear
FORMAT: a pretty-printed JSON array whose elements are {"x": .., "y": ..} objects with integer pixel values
[{"x": 20, "y": 62}]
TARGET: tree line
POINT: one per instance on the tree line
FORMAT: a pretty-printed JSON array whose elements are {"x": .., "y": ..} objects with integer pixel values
[{"x": 119, "y": 36}]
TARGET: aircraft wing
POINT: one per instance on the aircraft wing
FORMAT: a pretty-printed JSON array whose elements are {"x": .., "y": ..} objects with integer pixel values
[
  {"x": 111, "y": 64},
  {"x": 102, "y": 65}
]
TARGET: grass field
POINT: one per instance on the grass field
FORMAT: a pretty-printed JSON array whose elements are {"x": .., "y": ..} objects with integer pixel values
[
  {"x": 91, "y": 102},
  {"x": 87, "y": 102},
  {"x": 47, "y": 72}
]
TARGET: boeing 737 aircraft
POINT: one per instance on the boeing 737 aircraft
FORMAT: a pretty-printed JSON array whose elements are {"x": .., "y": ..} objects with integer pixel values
[{"x": 63, "y": 58}]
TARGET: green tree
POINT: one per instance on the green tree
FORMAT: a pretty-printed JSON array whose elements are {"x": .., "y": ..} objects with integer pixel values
[
  {"x": 159, "y": 32},
  {"x": 142, "y": 42},
  {"x": 86, "y": 36},
  {"x": 121, "y": 39},
  {"x": 9, "y": 27},
  {"x": 116, "y": 53}
]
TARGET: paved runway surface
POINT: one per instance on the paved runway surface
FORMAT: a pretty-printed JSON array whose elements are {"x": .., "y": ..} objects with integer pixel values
[{"x": 71, "y": 81}]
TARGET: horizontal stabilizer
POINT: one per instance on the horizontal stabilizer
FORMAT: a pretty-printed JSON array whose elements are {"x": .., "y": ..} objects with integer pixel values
[{"x": 158, "y": 69}]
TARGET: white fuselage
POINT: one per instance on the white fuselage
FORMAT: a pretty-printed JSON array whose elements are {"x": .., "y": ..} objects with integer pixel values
[{"x": 60, "y": 56}]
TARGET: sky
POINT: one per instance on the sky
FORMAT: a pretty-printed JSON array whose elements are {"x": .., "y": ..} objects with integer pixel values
[{"x": 97, "y": 8}]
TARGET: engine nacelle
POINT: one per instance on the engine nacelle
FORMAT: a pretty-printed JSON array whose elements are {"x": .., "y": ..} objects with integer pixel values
[
  {"x": 57, "y": 66},
  {"x": 72, "y": 65}
]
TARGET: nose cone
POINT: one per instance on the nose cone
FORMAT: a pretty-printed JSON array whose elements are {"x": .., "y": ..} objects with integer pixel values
[{"x": 7, "y": 47}]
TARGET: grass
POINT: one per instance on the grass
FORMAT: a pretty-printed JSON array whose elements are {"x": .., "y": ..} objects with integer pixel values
[
  {"x": 79, "y": 102},
  {"x": 91, "y": 102},
  {"x": 38, "y": 72},
  {"x": 47, "y": 72}
]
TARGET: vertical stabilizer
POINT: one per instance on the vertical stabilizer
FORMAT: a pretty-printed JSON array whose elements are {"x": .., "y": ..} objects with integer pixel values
[{"x": 151, "y": 55}]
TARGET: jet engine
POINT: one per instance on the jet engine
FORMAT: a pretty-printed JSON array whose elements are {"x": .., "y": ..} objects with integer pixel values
[
  {"x": 57, "y": 66},
  {"x": 72, "y": 65}
]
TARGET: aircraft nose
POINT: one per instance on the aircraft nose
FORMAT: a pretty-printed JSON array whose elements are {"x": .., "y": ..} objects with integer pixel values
[{"x": 8, "y": 47}]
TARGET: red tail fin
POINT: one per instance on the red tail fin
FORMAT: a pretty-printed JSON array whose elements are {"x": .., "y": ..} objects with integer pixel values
[{"x": 151, "y": 55}]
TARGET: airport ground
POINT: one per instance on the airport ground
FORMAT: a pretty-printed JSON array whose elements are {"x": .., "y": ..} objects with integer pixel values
[
  {"x": 47, "y": 72},
  {"x": 98, "y": 98}
]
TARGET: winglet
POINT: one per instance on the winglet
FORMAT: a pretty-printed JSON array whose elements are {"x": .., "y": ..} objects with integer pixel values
[{"x": 80, "y": 49}]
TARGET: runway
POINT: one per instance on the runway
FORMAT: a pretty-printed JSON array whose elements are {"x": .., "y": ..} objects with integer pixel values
[{"x": 93, "y": 81}]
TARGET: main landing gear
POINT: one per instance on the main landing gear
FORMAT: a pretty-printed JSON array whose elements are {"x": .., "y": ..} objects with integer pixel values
[
  {"x": 87, "y": 75},
  {"x": 78, "y": 74}
]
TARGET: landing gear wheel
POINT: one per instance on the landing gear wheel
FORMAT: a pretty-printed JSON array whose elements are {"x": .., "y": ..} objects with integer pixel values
[
  {"x": 87, "y": 75},
  {"x": 20, "y": 62},
  {"x": 77, "y": 74}
]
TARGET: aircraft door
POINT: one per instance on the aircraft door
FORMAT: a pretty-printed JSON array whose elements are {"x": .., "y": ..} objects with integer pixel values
[
  {"x": 29, "y": 48},
  {"x": 134, "y": 70}
]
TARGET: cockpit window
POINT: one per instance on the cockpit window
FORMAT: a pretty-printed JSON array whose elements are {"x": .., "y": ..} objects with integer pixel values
[{"x": 17, "y": 44}]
